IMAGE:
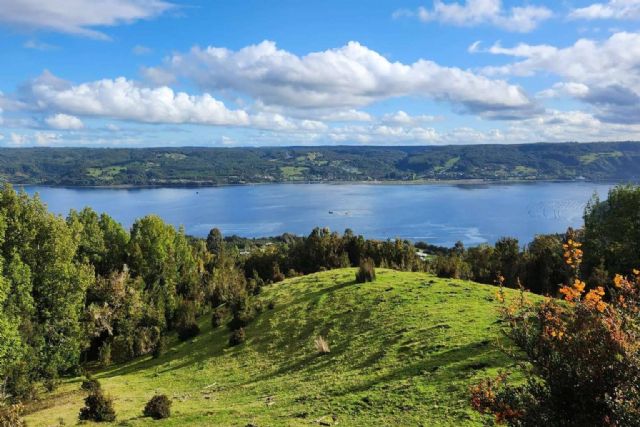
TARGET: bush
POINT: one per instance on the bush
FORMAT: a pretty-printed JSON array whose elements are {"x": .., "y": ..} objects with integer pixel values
[
  {"x": 90, "y": 384},
  {"x": 366, "y": 272},
  {"x": 584, "y": 354},
  {"x": 158, "y": 407},
  {"x": 217, "y": 318},
  {"x": 243, "y": 314},
  {"x": 188, "y": 331},
  {"x": 160, "y": 348},
  {"x": 10, "y": 416},
  {"x": 237, "y": 337},
  {"x": 98, "y": 407}
]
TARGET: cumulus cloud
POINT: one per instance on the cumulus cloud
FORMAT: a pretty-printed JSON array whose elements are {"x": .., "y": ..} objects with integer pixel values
[
  {"x": 78, "y": 17},
  {"x": 613, "y": 9},
  {"x": 16, "y": 139},
  {"x": 64, "y": 121},
  {"x": 481, "y": 12},
  {"x": 348, "y": 77},
  {"x": 348, "y": 115},
  {"x": 123, "y": 99},
  {"x": 402, "y": 118},
  {"x": 605, "y": 74}
]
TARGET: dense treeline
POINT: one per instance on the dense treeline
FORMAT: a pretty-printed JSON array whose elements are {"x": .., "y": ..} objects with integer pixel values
[
  {"x": 611, "y": 239},
  {"x": 213, "y": 166}
]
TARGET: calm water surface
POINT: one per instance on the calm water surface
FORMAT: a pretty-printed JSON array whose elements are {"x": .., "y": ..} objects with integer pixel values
[{"x": 438, "y": 214}]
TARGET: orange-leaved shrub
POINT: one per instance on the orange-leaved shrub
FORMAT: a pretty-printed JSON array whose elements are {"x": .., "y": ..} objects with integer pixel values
[{"x": 582, "y": 356}]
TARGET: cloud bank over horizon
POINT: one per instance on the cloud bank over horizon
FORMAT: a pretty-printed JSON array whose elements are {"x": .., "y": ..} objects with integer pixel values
[{"x": 504, "y": 79}]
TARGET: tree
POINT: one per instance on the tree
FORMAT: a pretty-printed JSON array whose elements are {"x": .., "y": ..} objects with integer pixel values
[
  {"x": 506, "y": 255},
  {"x": 612, "y": 232},
  {"x": 545, "y": 268},
  {"x": 215, "y": 241}
]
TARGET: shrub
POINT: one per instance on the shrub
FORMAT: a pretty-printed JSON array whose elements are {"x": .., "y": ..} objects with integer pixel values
[
  {"x": 322, "y": 346},
  {"x": 188, "y": 331},
  {"x": 90, "y": 384},
  {"x": 97, "y": 407},
  {"x": 158, "y": 407},
  {"x": 237, "y": 337},
  {"x": 366, "y": 272},
  {"x": 160, "y": 348},
  {"x": 10, "y": 416},
  {"x": 277, "y": 274},
  {"x": 217, "y": 318},
  {"x": 584, "y": 354},
  {"x": 243, "y": 313}
]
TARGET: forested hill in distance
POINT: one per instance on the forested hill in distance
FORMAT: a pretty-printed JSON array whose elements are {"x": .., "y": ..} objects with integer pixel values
[{"x": 619, "y": 161}]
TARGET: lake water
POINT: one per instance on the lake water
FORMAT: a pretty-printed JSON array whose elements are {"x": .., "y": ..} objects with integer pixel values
[{"x": 438, "y": 214}]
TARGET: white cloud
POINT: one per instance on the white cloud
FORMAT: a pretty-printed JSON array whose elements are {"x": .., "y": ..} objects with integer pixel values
[
  {"x": 520, "y": 50},
  {"x": 349, "y": 115},
  {"x": 481, "y": 12},
  {"x": 604, "y": 74},
  {"x": 141, "y": 50},
  {"x": 123, "y": 99},
  {"x": 78, "y": 17},
  {"x": 46, "y": 138},
  {"x": 572, "y": 89},
  {"x": 349, "y": 77},
  {"x": 402, "y": 118},
  {"x": 17, "y": 139},
  {"x": 613, "y": 9},
  {"x": 36, "y": 45},
  {"x": 64, "y": 121}
]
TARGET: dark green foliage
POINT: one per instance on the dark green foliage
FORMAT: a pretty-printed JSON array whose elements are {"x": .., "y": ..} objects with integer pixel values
[
  {"x": 242, "y": 319},
  {"x": 215, "y": 241},
  {"x": 97, "y": 407},
  {"x": 612, "y": 233},
  {"x": 453, "y": 266},
  {"x": 188, "y": 331},
  {"x": 366, "y": 271},
  {"x": 104, "y": 355},
  {"x": 323, "y": 250},
  {"x": 186, "y": 323},
  {"x": 160, "y": 347},
  {"x": 217, "y": 318},
  {"x": 544, "y": 268},
  {"x": 159, "y": 407},
  {"x": 91, "y": 385},
  {"x": 237, "y": 337}
]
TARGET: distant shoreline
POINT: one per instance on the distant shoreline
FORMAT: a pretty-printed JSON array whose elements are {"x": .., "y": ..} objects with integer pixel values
[{"x": 361, "y": 182}]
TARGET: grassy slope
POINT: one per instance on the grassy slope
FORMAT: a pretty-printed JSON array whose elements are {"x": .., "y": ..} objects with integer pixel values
[{"x": 404, "y": 351}]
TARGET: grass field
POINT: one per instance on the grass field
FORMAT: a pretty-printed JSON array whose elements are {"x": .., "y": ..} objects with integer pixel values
[{"x": 404, "y": 351}]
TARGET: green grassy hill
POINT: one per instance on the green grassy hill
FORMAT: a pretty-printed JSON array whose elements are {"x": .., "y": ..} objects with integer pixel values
[{"x": 404, "y": 351}]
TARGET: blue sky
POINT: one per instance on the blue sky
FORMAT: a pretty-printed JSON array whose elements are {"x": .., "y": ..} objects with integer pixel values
[{"x": 249, "y": 73}]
